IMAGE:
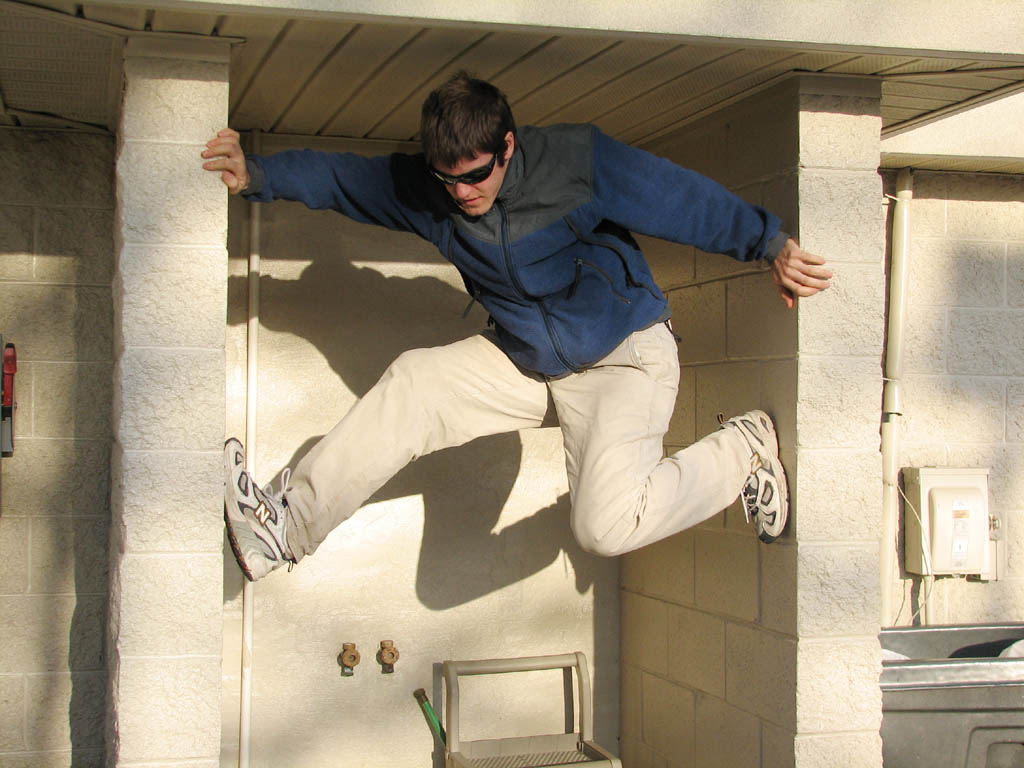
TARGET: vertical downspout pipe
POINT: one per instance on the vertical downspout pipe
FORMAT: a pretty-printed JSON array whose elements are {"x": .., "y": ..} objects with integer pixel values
[
  {"x": 892, "y": 397},
  {"x": 252, "y": 333}
]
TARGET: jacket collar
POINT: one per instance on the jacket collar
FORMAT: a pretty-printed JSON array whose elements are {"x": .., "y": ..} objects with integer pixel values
[{"x": 511, "y": 187}]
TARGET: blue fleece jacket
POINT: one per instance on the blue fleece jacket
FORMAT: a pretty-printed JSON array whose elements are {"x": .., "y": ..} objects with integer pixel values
[{"x": 554, "y": 261}]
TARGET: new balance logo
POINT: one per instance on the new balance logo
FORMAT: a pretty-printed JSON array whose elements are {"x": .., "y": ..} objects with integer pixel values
[{"x": 264, "y": 514}]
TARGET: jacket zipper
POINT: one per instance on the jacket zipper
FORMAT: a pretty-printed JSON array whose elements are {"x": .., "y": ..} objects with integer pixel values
[
  {"x": 580, "y": 263},
  {"x": 630, "y": 280},
  {"x": 506, "y": 247}
]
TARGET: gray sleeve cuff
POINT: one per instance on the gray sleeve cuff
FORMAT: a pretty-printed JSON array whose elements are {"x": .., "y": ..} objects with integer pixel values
[
  {"x": 772, "y": 248},
  {"x": 255, "y": 177}
]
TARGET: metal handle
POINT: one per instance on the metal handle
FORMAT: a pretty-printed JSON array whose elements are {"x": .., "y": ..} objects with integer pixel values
[{"x": 451, "y": 670}]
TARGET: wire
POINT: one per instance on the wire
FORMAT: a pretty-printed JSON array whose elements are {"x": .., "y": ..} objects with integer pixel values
[
  {"x": 926, "y": 556},
  {"x": 924, "y": 600}
]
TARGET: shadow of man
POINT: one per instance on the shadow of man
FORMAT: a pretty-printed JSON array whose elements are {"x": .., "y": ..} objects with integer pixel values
[{"x": 361, "y": 320}]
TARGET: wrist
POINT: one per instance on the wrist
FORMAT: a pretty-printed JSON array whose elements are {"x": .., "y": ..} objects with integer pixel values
[{"x": 775, "y": 245}]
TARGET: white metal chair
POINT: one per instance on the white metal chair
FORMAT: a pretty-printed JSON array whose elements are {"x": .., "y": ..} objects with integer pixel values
[{"x": 574, "y": 747}]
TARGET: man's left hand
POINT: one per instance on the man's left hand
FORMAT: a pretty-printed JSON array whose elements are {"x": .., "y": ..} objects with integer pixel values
[{"x": 796, "y": 272}]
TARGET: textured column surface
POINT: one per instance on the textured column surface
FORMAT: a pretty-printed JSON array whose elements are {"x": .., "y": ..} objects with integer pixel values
[
  {"x": 837, "y": 485},
  {"x": 169, "y": 299}
]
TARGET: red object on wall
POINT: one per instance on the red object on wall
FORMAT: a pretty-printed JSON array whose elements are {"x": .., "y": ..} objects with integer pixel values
[
  {"x": 10, "y": 368},
  {"x": 7, "y": 405}
]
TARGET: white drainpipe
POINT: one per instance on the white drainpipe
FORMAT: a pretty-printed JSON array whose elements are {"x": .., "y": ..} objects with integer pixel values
[
  {"x": 251, "y": 398},
  {"x": 892, "y": 398}
]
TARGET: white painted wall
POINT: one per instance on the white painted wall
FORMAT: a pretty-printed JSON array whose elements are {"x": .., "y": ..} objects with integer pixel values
[
  {"x": 973, "y": 25},
  {"x": 56, "y": 260},
  {"x": 979, "y": 132},
  {"x": 964, "y": 376}
]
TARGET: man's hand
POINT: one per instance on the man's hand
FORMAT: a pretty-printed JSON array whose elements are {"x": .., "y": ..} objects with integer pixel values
[
  {"x": 796, "y": 272},
  {"x": 224, "y": 153}
]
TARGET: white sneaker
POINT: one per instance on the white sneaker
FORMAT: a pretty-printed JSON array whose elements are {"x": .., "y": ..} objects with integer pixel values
[
  {"x": 765, "y": 495},
  {"x": 255, "y": 518}
]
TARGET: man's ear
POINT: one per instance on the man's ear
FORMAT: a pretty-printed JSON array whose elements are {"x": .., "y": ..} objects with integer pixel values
[{"x": 510, "y": 146}]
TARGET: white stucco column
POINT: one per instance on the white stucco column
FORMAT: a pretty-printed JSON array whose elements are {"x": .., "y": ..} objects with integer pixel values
[
  {"x": 837, "y": 482},
  {"x": 169, "y": 304}
]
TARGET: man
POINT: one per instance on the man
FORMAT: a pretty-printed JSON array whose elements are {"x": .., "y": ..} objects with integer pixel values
[{"x": 538, "y": 222}]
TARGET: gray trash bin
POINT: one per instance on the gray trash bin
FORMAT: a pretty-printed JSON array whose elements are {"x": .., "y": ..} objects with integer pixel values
[{"x": 952, "y": 701}]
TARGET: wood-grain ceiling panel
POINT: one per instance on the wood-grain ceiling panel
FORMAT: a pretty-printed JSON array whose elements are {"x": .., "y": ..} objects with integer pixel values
[
  {"x": 259, "y": 33},
  {"x": 291, "y": 60},
  {"x": 126, "y": 18},
  {"x": 979, "y": 83},
  {"x": 710, "y": 87},
  {"x": 928, "y": 90},
  {"x": 946, "y": 163},
  {"x": 57, "y": 69},
  {"x": 916, "y": 103},
  {"x": 892, "y": 114},
  {"x": 625, "y": 56},
  {"x": 307, "y": 76},
  {"x": 866, "y": 65},
  {"x": 645, "y": 114},
  {"x": 493, "y": 53},
  {"x": 404, "y": 73},
  {"x": 344, "y": 74},
  {"x": 546, "y": 63},
  {"x": 917, "y": 65},
  {"x": 61, "y": 6},
  {"x": 632, "y": 85},
  {"x": 183, "y": 21},
  {"x": 999, "y": 78}
]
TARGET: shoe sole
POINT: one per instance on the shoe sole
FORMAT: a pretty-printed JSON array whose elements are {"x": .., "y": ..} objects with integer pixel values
[
  {"x": 229, "y": 465},
  {"x": 779, "y": 473},
  {"x": 769, "y": 438}
]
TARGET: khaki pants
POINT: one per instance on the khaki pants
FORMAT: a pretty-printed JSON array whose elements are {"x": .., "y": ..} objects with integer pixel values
[{"x": 613, "y": 417}]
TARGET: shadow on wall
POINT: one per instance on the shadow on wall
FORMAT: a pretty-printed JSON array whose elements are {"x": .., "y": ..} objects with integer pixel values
[
  {"x": 962, "y": 365},
  {"x": 56, "y": 252},
  {"x": 360, "y": 321}
]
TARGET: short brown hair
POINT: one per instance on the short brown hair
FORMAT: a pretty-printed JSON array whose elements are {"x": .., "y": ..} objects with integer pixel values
[{"x": 463, "y": 117}]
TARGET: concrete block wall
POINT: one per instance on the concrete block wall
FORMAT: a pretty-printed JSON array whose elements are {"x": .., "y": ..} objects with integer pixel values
[
  {"x": 56, "y": 256},
  {"x": 963, "y": 371},
  {"x": 168, "y": 404},
  {"x": 732, "y": 649}
]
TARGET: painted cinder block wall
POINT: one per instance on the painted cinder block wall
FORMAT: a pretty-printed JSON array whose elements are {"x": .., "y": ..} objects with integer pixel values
[
  {"x": 56, "y": 259},
  {"x": 964, "y": 373},
  {"x": 467, "y": 553},
  {"x": 732, "y": 649}
]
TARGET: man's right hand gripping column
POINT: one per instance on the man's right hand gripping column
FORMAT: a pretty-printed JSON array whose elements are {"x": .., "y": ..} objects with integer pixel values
[{"x": 224, "y": 153}]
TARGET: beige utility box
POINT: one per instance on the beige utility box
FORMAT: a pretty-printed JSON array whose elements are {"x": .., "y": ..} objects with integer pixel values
[{"x": 946, "y": 521}]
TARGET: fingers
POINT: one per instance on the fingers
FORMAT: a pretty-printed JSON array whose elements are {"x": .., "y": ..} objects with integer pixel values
[
  {"x": 786, "y": 296},
  {"x": 802, "y": 280},
  {"x": 805, "y": 256},
  {"x": 798, "y": 273},
  {"x": 224, "y": 153}
]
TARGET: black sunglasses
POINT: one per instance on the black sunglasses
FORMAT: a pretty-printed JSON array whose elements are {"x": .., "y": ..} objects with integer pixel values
[{"x": 469, "y": 177}]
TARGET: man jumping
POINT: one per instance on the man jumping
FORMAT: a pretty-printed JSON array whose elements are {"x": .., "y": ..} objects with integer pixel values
[{"x": 538, "y": 222}]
